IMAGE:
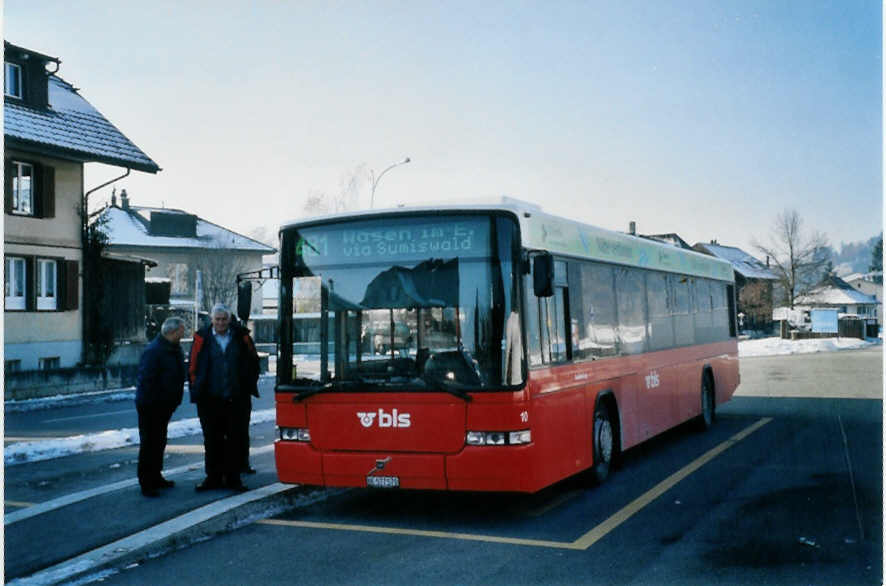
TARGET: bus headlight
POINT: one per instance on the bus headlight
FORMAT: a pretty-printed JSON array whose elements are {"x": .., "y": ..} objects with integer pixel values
[
  {"x": 498, "y": 438},
  {"x": 295, "y": 434}
]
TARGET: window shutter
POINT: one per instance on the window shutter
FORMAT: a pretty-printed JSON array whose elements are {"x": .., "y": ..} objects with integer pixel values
[
  {"x": 7, "y": 186},
  {"x": 30, "y": 284},
  {"x": 47, "y": 191},
  {"x": 71, "y": 284}
]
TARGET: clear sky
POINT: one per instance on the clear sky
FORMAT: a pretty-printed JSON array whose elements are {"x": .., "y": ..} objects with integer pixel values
[{"x": 701, "y": 118}]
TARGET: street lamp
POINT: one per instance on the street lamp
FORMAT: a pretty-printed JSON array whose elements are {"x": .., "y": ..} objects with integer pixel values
[{"x": 373, "y": 180}]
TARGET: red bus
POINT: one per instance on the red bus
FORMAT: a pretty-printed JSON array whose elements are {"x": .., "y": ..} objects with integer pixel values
[{"x": 491, "y": 348}]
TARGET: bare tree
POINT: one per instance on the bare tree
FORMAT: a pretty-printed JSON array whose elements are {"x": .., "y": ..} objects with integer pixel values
[
  {"x": 347, "y": 198},
  {"x": 798, "y": 258},
  {"x": 218, "y": 272},
  {"x": 264, "y": 234}
]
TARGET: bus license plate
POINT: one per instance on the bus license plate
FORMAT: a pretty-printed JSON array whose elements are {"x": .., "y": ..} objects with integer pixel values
[{"x": 383, "y": 481}]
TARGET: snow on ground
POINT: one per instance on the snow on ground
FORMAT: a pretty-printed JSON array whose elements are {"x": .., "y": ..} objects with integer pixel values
[
  {"x": 777, "y": 346},
  {"x": 33, "y": 451}
]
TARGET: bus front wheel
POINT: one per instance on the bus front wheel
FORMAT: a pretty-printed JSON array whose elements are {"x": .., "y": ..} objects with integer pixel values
[{"x": 604, "y": 444}]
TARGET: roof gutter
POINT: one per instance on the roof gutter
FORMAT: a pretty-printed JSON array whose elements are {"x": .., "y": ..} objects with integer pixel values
[{"x": 86, "y": 195}]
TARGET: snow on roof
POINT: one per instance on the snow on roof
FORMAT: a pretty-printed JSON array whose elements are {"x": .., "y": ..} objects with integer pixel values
[
  {"x": 131, "y": 228},
  {"x": 744, "y": 264},
  {"x": 835, "y": 292},
  {"x": 863, "y": 276},
  {"x": 72, "y": 126}
]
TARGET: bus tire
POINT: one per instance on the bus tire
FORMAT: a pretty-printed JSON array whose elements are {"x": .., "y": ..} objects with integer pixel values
[
  {"x": 708, "y": 403},
  {"x": 605, "y": 443}
]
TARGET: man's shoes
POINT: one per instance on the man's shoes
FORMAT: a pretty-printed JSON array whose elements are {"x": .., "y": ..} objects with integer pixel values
[
  {"x": 150, "y": 492},
  {"x": 208, "y": 485},
  {"x": 238, "y": 487},
  {"x": 248, "y": 470},
  {"x": 163, "y": 483}
]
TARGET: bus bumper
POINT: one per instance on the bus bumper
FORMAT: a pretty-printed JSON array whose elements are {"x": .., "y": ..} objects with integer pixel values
[
  {"x": 299, "y": 463},
  {"x": 491, "y": 468},
  {"x": 482, "y": 468}
]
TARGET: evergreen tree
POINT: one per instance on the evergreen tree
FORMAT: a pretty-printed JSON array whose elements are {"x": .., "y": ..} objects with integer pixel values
[{"x": 877, "y": 255}]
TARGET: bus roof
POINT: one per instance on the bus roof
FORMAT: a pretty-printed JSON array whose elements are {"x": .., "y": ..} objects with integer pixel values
[{"x": 559, "y": 235}]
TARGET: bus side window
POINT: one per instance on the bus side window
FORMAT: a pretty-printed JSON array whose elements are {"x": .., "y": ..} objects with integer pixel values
[
  {"x": 560, "y": 341},
  {"x": 684, "y": 330},
  {"x": 661, "y": 325},
  {"x": 592, "y": 306},
  {"x": 721, "y": 312},
  {"x": 552, "y": 318},
  {"x": 533, "y": 332},
  {"x": 630, "y": 287}
]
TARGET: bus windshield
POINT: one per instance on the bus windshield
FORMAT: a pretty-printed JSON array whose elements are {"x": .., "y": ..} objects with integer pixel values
[{"x": 417, "y": 302}]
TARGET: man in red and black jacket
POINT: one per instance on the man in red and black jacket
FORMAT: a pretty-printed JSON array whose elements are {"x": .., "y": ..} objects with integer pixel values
[{"x": 223, "y": 372}]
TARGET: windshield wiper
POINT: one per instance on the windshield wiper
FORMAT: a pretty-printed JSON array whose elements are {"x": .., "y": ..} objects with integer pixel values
[
  {"x": 301, "y": 395},
  {"x": 454, "y": 391}
]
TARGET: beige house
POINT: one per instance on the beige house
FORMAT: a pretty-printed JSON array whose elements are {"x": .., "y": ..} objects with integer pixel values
[
  {"x": 50, "y": 131},
  {"x": 870, "y": 284},
  {"x": 183, "y": 245}
]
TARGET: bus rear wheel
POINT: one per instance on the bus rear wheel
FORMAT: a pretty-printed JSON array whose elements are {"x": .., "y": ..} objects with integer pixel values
[
  {"x": 708, "y": 404},
  {"x": 605, "y": 444}
]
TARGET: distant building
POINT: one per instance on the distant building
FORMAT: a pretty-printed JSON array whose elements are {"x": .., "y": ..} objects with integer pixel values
[
  {"x": 50, "y": 131},
  {"x": 181, "y": 243},
  {"x": 670, "y": 238},
  {"x": 836, "y": 293},
  {"x": 870, "y": 284},
  {"x": 753, "y": 281}
]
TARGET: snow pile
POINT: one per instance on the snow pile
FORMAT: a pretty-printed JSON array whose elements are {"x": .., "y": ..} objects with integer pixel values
[
  {"x": 34, "y": 451},
  {"x": 777, "y": 346},
  {"x": 111, "y": 396}
]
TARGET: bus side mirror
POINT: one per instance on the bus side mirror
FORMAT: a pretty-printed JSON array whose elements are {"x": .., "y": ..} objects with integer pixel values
[
  {"x": 244, "y": 300},
  {"x": 543, "y": 275}
]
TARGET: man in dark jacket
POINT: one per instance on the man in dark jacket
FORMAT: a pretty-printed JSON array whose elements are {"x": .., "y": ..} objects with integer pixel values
[
  {"x": 224, "y": 371},
  {"x": 161, "y": 383}
]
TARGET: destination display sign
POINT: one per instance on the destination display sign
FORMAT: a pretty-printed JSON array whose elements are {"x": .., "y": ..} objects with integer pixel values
[{"x": 394, "y": 239}]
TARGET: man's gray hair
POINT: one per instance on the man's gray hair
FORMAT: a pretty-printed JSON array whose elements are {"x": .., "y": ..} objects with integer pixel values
[
  {"x": 220, "y": 308},
  {"x": 171, "y": 324}
]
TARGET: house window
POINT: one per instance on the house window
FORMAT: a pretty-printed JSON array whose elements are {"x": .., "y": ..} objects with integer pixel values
[
  {"x": 47, "y": 284},
  {"x": 10, "y": 366},
  {"x": 14, "y": 283},
  {"x": 48, "y": 363},
  {"x": 22, "y": 188},
  {"x": 12, "y": 80}
]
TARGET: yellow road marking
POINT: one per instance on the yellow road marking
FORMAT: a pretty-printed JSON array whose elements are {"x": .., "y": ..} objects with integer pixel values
[
  {"x": 583, "y": 542},
  {"x": 417, "y": 532},
  {"x": 598, "y": 532},
  {"x": 17, "y": 504}
]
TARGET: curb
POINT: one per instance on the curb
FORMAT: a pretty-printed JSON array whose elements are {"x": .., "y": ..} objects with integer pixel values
[{"x": 217, "y": 517}]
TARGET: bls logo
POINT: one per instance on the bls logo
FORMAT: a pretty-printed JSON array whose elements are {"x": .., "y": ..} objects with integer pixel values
[
  {"x": 392, "y": 419},
  {"x": 652, "y": 380}
]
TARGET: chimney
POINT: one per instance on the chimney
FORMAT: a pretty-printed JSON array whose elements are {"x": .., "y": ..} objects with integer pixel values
[
  {"x": 124, "y": 200},
  {"x": 632, "y": 228},
  {"x": 767, "y": 261},
  {"x": 114, "y": 197}
]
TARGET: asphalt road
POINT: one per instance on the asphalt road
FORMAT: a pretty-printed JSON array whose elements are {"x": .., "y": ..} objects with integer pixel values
[{"x": 785, "y": 489}]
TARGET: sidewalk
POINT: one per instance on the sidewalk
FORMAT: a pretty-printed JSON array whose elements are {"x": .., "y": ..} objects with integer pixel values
[{"x": 83, "y": 515}]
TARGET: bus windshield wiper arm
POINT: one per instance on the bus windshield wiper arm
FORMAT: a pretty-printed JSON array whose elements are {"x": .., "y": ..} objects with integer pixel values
[
  {"x": 455, "y": 392},
  {"x": 309, "y": 392}
]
